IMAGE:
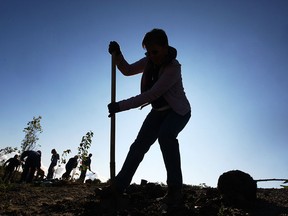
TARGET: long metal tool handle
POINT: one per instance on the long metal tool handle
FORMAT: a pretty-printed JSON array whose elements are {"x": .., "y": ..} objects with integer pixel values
[{"x": 112, "y": 129}]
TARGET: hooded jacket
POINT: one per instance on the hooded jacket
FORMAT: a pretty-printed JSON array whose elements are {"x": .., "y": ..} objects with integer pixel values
[{"x": 169, "y": 84}]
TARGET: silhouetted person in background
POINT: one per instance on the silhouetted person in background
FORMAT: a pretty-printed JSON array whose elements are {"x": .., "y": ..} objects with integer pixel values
[
  {"x": 32, "y": 163},
  {"x": 162, "y": 87},
  {"x": 71, "y": 164},
  {"x": 54, "y": 160},
  {"x": 86, "y": 165},
  {"x": 10, "y": 166}
]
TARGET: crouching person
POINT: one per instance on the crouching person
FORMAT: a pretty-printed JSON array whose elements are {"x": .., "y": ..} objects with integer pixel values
[
  {"x": 10, "y": 166},
  {"x": 32, "y": 163}
]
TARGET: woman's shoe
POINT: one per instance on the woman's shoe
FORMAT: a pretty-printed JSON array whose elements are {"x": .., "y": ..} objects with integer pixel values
[{"x": 172, "y": 197}]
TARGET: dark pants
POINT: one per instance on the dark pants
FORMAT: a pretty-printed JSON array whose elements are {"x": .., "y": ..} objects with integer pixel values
[
  {"x": 82, "y": 175},
  {"x": 8, "y": 174},
  {"x": 66, "y": 175},
  {"x": 51, "y": 171},
  {"x": 164, "y": 126},
  {"x": 28, "y": 172}
]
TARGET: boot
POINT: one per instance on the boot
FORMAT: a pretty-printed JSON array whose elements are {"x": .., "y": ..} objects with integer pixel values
[{"x": 173, "y": 197}]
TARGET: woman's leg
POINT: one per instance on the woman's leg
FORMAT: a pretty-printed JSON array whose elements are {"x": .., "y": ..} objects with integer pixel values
[
  {"x": 170, "y": 128},
  {"x": 145, "y": 138}
]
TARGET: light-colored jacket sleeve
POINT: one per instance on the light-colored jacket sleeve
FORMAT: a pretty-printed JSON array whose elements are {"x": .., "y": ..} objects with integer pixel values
[
  {"x": 169, "y": 76},
  {"x": 130, "y": 69}
]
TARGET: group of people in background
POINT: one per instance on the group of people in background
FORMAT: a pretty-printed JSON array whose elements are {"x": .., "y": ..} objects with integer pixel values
[
  {"x": 72, "y": 164},
  {"x": 31, "y": 165}
]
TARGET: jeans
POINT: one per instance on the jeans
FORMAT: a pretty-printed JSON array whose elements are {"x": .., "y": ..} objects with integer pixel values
[
  {"x": 28, "y": 172},
  {"x": 51, "y": 171},
  {"x": 164, "y": 126}
]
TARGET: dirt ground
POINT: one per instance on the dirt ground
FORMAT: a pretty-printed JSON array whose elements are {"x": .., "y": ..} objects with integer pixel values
[{"x": 70, "y": 198}]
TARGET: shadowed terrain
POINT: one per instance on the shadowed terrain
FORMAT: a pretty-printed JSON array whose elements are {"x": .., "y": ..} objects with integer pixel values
[{"x": 71, "y": 198}]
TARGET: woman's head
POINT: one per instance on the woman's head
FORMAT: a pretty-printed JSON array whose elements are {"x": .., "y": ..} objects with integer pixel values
[
  {"x": 156, "y": 44},
  {"x": 155, "y": 37}
]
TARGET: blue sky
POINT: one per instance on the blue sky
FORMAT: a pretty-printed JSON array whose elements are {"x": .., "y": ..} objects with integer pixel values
[{"x": 54, "y": 63}]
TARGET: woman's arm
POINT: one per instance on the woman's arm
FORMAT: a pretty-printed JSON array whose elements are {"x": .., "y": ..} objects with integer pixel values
[
  {"x": 170, "y": 76},
  {"x": 130, "y": 69}
]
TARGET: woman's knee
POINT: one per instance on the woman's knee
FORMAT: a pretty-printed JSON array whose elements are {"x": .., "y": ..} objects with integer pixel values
[
  {"x": 139, "y": 148},
  {"x": 166, "y": 138}
]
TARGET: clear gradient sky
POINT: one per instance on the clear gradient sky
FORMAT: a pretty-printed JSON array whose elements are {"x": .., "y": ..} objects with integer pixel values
[{"x": 234, "y": 54}]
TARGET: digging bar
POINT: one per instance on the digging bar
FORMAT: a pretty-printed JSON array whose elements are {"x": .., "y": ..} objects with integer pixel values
[{"x": 112, "y": 129}]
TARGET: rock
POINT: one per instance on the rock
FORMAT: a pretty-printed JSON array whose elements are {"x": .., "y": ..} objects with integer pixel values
[{"x": 237, "y": 188}]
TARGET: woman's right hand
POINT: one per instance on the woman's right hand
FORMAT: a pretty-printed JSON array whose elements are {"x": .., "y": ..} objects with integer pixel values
[{"x": 114, "y": 48}]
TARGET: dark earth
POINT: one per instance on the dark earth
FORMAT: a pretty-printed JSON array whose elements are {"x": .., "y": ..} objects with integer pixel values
[{"x": 71, "y": 198}]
